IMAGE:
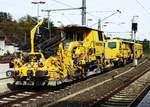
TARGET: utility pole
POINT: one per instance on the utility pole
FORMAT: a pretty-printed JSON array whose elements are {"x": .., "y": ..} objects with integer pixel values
[
  {"x": 99, "y": 24},
  {"x": 49, "y": 24},
  {"x": 52, "y": 10},
  {"x": 25, "y": 38},
  {"x": 83, "y": 12},
  {"x": 37, "y": 3},
  {"x": 83, "y": 8}
]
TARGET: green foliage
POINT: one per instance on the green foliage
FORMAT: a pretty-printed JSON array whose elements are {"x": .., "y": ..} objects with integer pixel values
[
  {"x": 19, "y": 31},
  {"x": 25, "y": 24},
  {"x": 5, "y": 17},
  {"x": 146, "y": 47}
]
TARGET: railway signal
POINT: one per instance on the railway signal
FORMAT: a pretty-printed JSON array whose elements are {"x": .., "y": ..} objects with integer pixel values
[{"x": 134, "y": 30}]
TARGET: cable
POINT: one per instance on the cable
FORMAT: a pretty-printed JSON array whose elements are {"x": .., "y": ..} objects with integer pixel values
[
  {"x": 100, "y": 11},
  {"x": 68, "y": 19},
  {"x": 92, "y": 15},
  {"x": 143, "y": 7},
  {"x": 118, "y": 11},
  {"x": 70, "y": 13},
  {"x": 62, "y": 3},
  {"x": 118, "y": 32}
]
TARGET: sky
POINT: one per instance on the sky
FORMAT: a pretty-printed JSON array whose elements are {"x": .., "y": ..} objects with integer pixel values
[{"x": 118, "y": 25}]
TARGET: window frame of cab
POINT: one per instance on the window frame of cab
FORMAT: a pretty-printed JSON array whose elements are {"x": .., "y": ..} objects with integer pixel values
[{"x": 76, "y": 36}]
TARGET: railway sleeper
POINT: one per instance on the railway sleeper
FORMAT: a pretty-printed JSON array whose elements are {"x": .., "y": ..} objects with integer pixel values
[
  {"x": 124, "y": 96},
  {"x": 118, "y": 102}
]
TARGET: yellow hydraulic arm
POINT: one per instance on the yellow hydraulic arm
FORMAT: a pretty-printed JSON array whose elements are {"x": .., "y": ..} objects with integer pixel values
[{"x": 32, "y": 34}]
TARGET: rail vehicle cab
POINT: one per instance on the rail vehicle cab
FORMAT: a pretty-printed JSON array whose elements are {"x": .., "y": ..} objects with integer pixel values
[
  {"x": 91, "y": 40},
  {"x": 118, "y": 51},
  {"x": 84, "y": 45}
]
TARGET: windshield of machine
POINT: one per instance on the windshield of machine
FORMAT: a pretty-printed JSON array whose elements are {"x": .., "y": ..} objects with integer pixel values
[{"x": 112, "y": 45}]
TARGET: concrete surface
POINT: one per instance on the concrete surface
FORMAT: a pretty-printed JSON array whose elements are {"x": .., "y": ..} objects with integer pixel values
[
  {"x": 3, "y": 85},
  {"x": 3, "y": 69}
]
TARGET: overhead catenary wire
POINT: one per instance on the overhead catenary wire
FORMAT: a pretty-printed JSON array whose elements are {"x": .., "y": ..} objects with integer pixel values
[
  {"x": 94, "y": 16},
  {"x": 143, "y": 7},
  {"x": 89, "y": 13},
  {"x": 62, "y": 3},
  {"x": 68, "y": 19},
  {"x": 106, "y": 11},
  {"x": 107, "y": 17}
]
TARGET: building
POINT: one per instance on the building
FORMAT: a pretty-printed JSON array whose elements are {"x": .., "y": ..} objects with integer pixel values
[{"x": 6, "y": 48}]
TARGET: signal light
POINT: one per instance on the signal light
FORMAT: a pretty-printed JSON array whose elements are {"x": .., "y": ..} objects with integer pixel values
[{"x": 134, "y": 27}]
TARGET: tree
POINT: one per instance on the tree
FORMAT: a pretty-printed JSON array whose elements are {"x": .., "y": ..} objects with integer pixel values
[
  {"x": 19, "y": 31},
  {"x": 26, "y": 23},
  {"x": 5, "y": 17}
]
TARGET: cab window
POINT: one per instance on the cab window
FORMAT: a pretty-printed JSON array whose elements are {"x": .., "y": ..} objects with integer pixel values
[
  {"x": 112, "y": 45},
  {"x": 79, "y": 36},
  {"x": 69, "y": 36},
  {"x": 100, "y": 36}
]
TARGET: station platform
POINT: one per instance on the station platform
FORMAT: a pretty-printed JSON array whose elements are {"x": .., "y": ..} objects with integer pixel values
[{"x": 146, "y": 101}]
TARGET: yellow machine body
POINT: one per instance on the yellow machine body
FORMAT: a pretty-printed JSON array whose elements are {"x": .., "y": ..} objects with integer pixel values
[
  {"x": 138, "y": 50},
  {"x": 118, "y": 50},
  {"x": 80, "y": 47},
  {"x": 82, "y": 52}
]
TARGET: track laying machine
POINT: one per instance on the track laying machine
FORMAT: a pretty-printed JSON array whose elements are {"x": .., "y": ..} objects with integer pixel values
[{"x": 82, "y": 52}]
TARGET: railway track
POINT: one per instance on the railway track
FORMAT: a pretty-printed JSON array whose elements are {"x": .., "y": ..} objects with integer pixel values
[
  {"x": 52, "y": 97},
  {"x": 11, "y": 98},
  {"x": 127, "y": 97},
  {"x": 89, "y": 96}
]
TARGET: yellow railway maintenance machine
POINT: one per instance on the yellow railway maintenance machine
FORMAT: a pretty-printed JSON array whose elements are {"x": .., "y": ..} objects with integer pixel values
[
  {"x": 119, "y": 51},
  {"x": 80, "y": 54},
  {"x": 27, "y": 70}
]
